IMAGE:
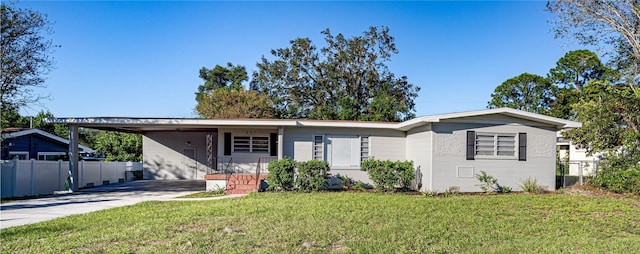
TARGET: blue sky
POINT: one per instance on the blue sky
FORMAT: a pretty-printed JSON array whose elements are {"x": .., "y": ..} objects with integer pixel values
[{"x": 141, "y": 59}]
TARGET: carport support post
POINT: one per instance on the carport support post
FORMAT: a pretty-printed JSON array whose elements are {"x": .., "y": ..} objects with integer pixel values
[
  {"x": 73, "y": 157},
  {"x": 280, "y": 141}
]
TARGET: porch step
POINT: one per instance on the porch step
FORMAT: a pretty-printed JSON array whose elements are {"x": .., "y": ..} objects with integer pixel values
[{"x": 243, "y": 183}]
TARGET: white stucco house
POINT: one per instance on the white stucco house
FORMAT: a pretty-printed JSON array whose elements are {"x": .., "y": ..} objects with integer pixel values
[
  {"x": 576, "y": 159},
  {"x": 447, "y": 149}
]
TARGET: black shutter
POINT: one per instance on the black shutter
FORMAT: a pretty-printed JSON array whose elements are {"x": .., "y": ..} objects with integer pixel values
[
  {"x": 227, "y": 143},
  {"x": 273, "y": 144},
  {"x": 471, "y": 145},
  {"x": 522, "y": 146}
]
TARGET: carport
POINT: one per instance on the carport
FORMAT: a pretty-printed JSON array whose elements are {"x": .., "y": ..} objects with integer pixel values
[{"x": 183, "y": 148}]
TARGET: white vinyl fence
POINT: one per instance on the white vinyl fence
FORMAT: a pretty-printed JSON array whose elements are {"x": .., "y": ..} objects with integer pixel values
[{"x": 33, "y": 177}]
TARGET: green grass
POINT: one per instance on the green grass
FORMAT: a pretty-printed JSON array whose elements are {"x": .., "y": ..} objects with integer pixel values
[
  {"x": 346, "y": 222},
  {"x": 204, "y": 194}
]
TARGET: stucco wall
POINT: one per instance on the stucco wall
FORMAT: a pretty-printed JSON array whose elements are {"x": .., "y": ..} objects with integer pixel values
[
  {"x": 451, "y": 168},
  {"x": 384, "y": 145},
  {"x": 163, "y": 157},
  {"x": 419, "y": 150}
]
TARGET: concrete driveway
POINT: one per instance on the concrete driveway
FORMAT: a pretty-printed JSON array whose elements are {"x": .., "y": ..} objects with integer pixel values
[{"x": 21, "y": 212}]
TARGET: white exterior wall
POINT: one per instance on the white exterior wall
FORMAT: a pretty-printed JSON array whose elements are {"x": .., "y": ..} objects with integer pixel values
[
  {"x": 580, "y": 161},
  {"x": 420, "y": 150},
  {"x": 383, "y": 145},
  {"x": 577, "y": 158},
  {"x": 450, "y": 167},
  {"x": 163, "y": 157}
]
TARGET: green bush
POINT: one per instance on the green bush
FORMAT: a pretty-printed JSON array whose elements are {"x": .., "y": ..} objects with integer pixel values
[
  {"x": 349, "y": 184},
  {"x": 505, "y": 189},
  {"x": 281, "y": 172},
  {"x": 312, "y": 175},
  {"x": 531, "y": 185},
  {"x": 386, "y": 175},
  {"x": 618, "y": 179},
  {"x": 487, "y": 182}
]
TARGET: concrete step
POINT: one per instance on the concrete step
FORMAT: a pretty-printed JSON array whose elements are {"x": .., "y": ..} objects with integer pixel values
[
  {"x": 243, "y": 182},
  {"x": 241, "y": 187}
]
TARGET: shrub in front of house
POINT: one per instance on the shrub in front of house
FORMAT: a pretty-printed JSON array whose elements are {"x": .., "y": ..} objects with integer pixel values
[
  {"x": 530, "y": 185},
  {"x": 489, "y": 184},
  {"x": 281, "y": 174},
  {"x": 618, "y": 179},
  {"x": 312, "y": 175},
  {"x": 387, "y": 175}
]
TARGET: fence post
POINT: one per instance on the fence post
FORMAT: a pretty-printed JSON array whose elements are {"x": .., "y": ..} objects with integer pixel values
[
  {"x": 60, "y": 175},
  {"x": 100, "y": 165},
  {"x": 33, "y": 179},
  {"x": 81, "y": 180},
  {"x": 580, "y": 173},
  {"x": 15, "y": 177}
]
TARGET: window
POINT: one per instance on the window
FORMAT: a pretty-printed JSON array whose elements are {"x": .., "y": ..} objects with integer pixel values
[
  {"x": 51, "y": 156},
  {"x": 364, "y": 148},
  {"x": 250, "y": 144},
  {"x": 341, "y": 150},
  {"x": 495, "y": 145},
  {"x": 19, "y": 155},
  {"x": 318, "y": 147}
]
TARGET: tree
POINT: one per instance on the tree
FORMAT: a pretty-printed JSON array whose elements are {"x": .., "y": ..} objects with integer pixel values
[
  {"x": 573, "y": 71},
  {"x": 26, "y": 55},
  {"x": 223, "y": 96},
  {"x": 221, "y": 77},
  {"x": 528, "y": 92},
  {"x": 609, "y": 113},
  {"x": 610, "y": 117},
  {"x": 60, "y": 130},
  {"x": 562, "y": 105},
  {"x": 347, "y": 79},
  {"x": 12, "y": 118},
  {"x": 118, "y": 146},
  {"x": 616, "y": 23},
  {"x": 234, "y": 103},
  {"x": 576, "y": 68}
]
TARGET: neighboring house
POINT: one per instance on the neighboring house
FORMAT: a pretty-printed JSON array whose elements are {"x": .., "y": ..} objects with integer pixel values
[
  {"x": 26, "y": 144},
  {"x": 577, "y": 159},
  {"x": 447, "y": 150}
]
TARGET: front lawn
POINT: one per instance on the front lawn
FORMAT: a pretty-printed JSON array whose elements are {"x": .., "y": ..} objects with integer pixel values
[{"x": 346, "y": 222}]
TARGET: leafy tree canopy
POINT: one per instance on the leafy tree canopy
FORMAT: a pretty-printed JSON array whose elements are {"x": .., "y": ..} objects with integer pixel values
[
  {"x": 615, "y": 23},
  {"x": 223, "y": 96},
  {"x": 26, "y": 55},
  {"x": 528, "y": 92},
  {"x": 572, "y": 73},
  {"x": 610, "y": 117},
  {"x": 230, "y": 77},
  {"x": 576, "y": 68},
  {"x": 347, "y": 79},
  {"x": 12, "y": 118},
  {"x": 235, "y": 103},
  {"x": 118, "y": 146},
  {"x": 60, "y": 130}
]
